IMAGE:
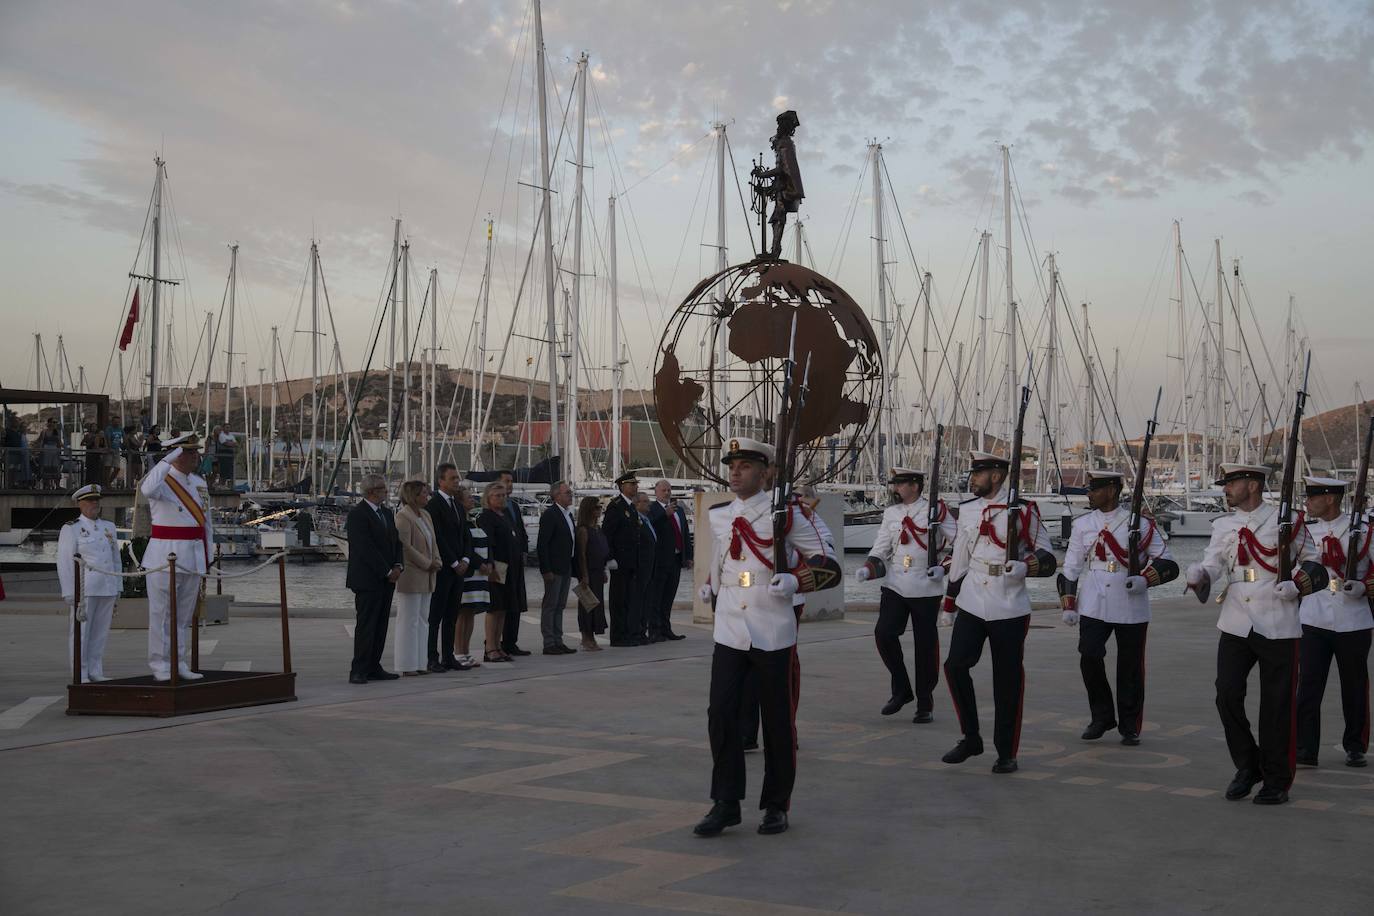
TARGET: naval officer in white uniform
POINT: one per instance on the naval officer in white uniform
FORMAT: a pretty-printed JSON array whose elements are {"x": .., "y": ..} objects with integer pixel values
[
  {"x": 179, "y": 510},
  {"x": 96, "y": 540}
]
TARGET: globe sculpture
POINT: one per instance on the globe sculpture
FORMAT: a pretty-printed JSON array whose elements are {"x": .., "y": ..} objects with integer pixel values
[{"x": 721, "y": 368}]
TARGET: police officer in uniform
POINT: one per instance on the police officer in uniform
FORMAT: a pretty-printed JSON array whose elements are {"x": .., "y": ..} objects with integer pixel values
[
  {"x": 911, "y": 590},
  {"x": 620, "y": 524},
  {"x": 1336, "y": 622},
  {"x": 1101, "y": 598},
  {"x": 96, "y": 540},
  {"x": 755, "y": 630},
  {"x": 986, "y": 601},
  {"x": 179, "y": 510},
  {"x": 1259, "y": 623}
]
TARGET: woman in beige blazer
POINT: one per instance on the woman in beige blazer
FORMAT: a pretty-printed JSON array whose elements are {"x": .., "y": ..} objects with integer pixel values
[{"x": 421, "y": 557}]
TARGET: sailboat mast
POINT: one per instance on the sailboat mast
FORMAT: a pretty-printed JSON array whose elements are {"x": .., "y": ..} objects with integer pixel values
[
  {"x": 229, "y": 346},
  {"x": 722, "y": 354},
  {"x": 1049, "y": 410},
  {"x": 261, "y": 443},
  {"x": 391, "y": 342},
  {"x": 1090, "y": 418},
  {"x": 209, "y": 338},
  {"x": 1012, "y": 394},
  {"x": 153, "y": 407},
  {"x": 433, "y": 451},
  {"x": 1182, "y": 358},
  {"x": 314, "y": 360},
  {"x": 885, "y": 443},
  {"x": 572, "y": 467},
  {"x": 546, "y": 182},
  {"x": 979, "y": 392},
  {"x": 475, "y": 458},
  {"x": 272, "y": 414},
  {"x": 405, "y": 355},
  {"x": 1222, "y": 411},
  {"x": 617, "y": 366},
  {"x": 1244, "y": 405},
  {"x": 927, "y": 383}
]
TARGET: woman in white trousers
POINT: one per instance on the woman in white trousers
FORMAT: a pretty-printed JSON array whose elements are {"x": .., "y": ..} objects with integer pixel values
[{"x": 421, "y": 558}]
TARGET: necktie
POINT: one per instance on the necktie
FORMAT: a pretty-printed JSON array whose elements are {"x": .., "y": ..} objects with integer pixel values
[{"x": 677, "y": 531}]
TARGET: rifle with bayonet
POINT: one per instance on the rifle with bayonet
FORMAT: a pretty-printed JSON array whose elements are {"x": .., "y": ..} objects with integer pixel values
[
  {"x": 933, "y": 501},
  {"x": 1357, "y": 519},
  {"x": 785, "y": 452},
  {"x": 1014, "y": 480},
  {"x": 1138, "y": 491},
  {"x": 1290, "y": 470}
]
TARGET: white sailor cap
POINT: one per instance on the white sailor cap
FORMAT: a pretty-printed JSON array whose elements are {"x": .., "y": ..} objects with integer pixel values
[
  {"x": 89, "y": 491},
  {"x": 185, "y": 442},
  {"x": 982, "y": 461},
  {"x": 1230, "y": 472},
  {"x": 906, "y": 475},
  {"x": 1105, "y": 478},
  {"x": 744, "y": 447},
  {"x": 1321, "y": 486}
]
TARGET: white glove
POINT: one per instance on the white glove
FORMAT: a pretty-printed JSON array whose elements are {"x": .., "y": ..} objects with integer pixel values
[
  {"x": 1354, "y": 588},
  {"x": 612, "y": 565},
  {"x": 1016, "y": 571},
  {"x": 1196, "y": 575},
  {"x": 946, "y": 619},
  {"x": 864, "y": 574},
  {"x": 935, "y": 573},
  {"x": 1136, "y": 584},
  {"x": 1287, "y": 590},
  {"x": 1071, "y": 618},
  {"x": 783, "y": 585},
  {"x": 705, "y": 593},
  {"x": 81, "y": 613}
]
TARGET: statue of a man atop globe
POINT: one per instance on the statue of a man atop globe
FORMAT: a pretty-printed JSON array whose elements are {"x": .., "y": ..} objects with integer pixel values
[{"x": 781, "y": 184}]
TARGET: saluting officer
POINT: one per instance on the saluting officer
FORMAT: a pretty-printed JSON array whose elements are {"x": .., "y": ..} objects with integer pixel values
[
  {"x": 179, "y": 509},
  {"x": 911, "y": 590},
  {"x": 98, "y": 543},
  {"x": 1259, "y": 624},
  {"x": 1336, "y": 621},
  {"x": 991, "y": 594},
  {"x": 1101, "y": 598},
  {"x": 755, "y": 630}
]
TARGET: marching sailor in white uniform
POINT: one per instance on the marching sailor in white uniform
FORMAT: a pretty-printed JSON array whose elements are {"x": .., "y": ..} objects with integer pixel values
[
  {"x": 1336, "y": 622},
  {"x": 755, "y": 631},
  {"x": 96, "y": 540},
  {"x": 179, "y": 509},
  {"x": 989, "y": 594},
  {"x": 1102, "y": 599},
  {"x": 911, "y": 590},
  {"x": 1259, "y": 624}
]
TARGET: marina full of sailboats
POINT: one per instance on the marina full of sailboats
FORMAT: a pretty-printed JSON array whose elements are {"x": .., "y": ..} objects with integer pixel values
[{"x": 535, "y": 354}]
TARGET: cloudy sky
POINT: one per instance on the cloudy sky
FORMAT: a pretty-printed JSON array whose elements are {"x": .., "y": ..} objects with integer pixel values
[{"x": 1250, "y": 121}]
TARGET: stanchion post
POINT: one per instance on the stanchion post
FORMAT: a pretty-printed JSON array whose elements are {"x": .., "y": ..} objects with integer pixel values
[
  {"x": 285, "y": 625},
  {"x": 76, "y": 624},
  {"x": 172, "y": 617},
  {"x": 219, "y": 566},
  {"x": 195, "y": 631}
]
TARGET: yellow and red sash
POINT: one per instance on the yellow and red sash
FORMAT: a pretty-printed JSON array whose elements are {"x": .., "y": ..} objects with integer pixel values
[{"x": 193, "y": 507}]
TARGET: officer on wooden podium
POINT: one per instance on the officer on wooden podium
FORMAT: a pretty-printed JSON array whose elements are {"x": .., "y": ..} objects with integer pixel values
[
  {"x": 1336, "y": 622},
  {"x": 98, "y": 543},
  {"x": 755, "y": 630},
  {"x": 179, "y": 509},
  {"x": 911, "y": 590},
  {"x": 988, "y": 592},
  {"x": 1102, "y": 598},
  {"x": 1259, "y": 623}
]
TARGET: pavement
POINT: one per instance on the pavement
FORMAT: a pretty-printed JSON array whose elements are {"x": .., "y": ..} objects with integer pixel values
[{"x": 569, "y": 785}]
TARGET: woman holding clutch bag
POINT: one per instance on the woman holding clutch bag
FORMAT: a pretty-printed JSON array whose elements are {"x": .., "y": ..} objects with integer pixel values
[
  {"x": 502, "y": 546},
  {"x": 416, "y": 531},
  {"x": 593, "y": 550}
]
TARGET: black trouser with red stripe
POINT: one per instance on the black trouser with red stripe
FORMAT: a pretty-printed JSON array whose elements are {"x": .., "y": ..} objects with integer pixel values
[
  {"x": 1272, "y": 757},
  {"x": 1129, "y": 710},
  {"x": 1351, "y": 651},
  {"x": 749, "y": 706},
  {"x": 893, "y": 613},
  {"x": 731, "y": 672},
  {"x": 1007, "y": 640}
]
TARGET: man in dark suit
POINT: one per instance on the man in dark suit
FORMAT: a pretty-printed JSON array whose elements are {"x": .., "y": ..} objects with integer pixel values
[
  {"x": 619, "y": 525},
  {"x": 515, "y": 575},
  {"x": 555, "y": 550},
  {"x": 374, "y": 565},
  {"x": 455, "y": 552},
  {"x": 674, "y": 553},
  {"x": 642, "y": 585}
]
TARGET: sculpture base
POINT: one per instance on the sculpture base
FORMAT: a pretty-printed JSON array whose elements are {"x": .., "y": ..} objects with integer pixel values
[{"x": 144, "y": 696}]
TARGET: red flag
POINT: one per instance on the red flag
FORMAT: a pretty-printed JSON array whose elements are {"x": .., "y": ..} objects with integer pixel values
[{"x": 127, "y": 337}]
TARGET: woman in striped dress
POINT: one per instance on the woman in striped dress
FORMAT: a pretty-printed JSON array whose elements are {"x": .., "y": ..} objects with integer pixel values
[{"x": 476, "y": 598}]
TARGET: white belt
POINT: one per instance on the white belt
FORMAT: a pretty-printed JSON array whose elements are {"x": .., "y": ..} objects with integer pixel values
[
  {"x": 1249, "y": 574},
  {"x": 1108, "y": 566}
]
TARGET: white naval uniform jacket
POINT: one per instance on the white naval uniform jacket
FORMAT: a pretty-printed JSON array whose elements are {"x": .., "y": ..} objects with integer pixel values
[
  {"x": 747, "y": 616},
  {"x": 98, "y": 543},
  {"x": 906, "y": 562},
  {"x": 976, "y": 550},
  {"x": 1334, "y": 609},
  {"x": 164, "y": 508},
  {"x": 1101, "y": 581},
  {"x": 1247, "y": 606}
]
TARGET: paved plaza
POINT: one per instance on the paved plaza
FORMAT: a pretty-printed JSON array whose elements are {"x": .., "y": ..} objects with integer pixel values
[{"x": 570, "y": 784}]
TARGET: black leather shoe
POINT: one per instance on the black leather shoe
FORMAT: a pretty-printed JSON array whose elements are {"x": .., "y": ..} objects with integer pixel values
[
  {"x": 895, "y": 704},
  {"x": 1005, "y": 765},
  {"x": 356, "y": 679},
  {"x": 1130, "y": 739},
  {"x": 624, "y": 643},
  {"x": 436, "y": 668},
  {"x": 751, "y": 745},
  {"x": 1355, "y": 759},
  {"x": 1271, "y": 795},
  {"x": 774, "y": 821},
  {"x": 553, "y": 650},
  {"x": 380, "y": 675},
  {"x": 1240, "y": 786},
  {"x": 657, "y": 638},
  {"x": 1096, "y": 730},
  {"x": 1306, "y": 760},
  {"x": 966, "y": 748},
  {"x": 923, "y": 717},
  {"x": 456, "y": 665},
  {"x": 674, "y": 636},
  {"x": 516, "y": 650},
  {"x": 721, "y": 815}
]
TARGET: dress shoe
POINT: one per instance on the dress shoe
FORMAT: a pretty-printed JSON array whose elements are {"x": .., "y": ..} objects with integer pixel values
[
  {"x": 457, "y": 665},
  {"x": 161, "y": 677},
  {"x": 436, "y": 668},
  {"x": 624, "y": 643},
  {"x": 567, "y": 649},
  {"x": 1130, "y": 739},
  {"x": 1306, "y": 760},
  {"x": 1096, "y": 730},
  {"x": 774, "y": 821},
  {"x": 1271, "y": 795},
  {"x": 1240, "y": 786},
  {"x": 966, "y": 748},
  {"x": 356, "y": 679},
  {"x": 1005, "y": 765},
  {"x": 721, "y": 815},
  {"x": 751, "y": 744},
  {"x": 923, "y": 717},
  {"x": 553, "y": 650},
  {"x": 895, "y": 704},
  {"x": 186, "y": 674},
  {"x": 381, "y": 675},
  {"x": 657, "y": 638},
  {"x": 1355, "y": 759},
  {"x": 516, "y": 650},
  {"x": 100, "y": 679},
  {"x": 674, "y": 636}
]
